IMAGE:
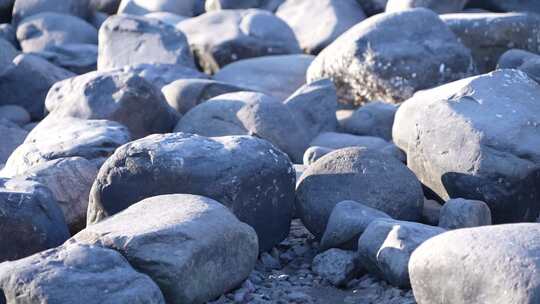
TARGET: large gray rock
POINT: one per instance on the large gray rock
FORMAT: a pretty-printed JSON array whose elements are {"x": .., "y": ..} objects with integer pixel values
[
  {"x": 336, "y": 266},
  {"x": 522, "y": 60},
  {"x": 117, "y": 95},
  {"x": 248, "y": 175},
  {"x": 491, "y": 152},
  {"x": 270, "y": 5},
  {"x": 41, "y": 31},
  {"x": 385, "y": 248},
  {"x": 278, "y": 76},
  {"x": 438, "y": 6},
  {"x": 26, "y": 8},
  {"x": 380, "y": 181},
  {"x": 390, "y": 56},
  {"x": 489, "y": 35},
  {"x": 373, "y": 7},
  {"x": 75, "y": 273},
  {"x": 346, "y": 223},
  {"x": 317, "y": 24},
  {"x": 372, "y": 119},
  {"x": 193, "y": 247},
  {"x": 8, "y": 52},
  {"x": 166, "y": 17},
  {"x": 220, "y": 37},
  {"x": 188, "y": 8},
  {"x": 492, "y": 264},
  {"x": 7, "y": 32},
  {"x": 31, "y": 219},
  {"x": 461, "y": 213},
  {"x": 26, "y": 80},
  {"x": 130, "y": 40},
  {"x": 185, "y": 94},
  {"x": 507, "y": 5},
  {"x": 79, "y": 58},
  {"x": 11, "y": 136},
  {"x": 163, "y": 74}
]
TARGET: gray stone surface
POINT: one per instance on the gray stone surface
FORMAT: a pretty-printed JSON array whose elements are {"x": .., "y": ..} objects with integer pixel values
[
  {"x": 26, "y": 8},
  {"x": 372, "y": 119},
  {"x": 11, "y": 136},
  {"x": 162, "y": 74},
  {"x": 507, "y": 5},
  {"x": 188, "y": 8},
  {"x": 15, "y": 114},
  {"x": 270, "y": 5},
  {"x": 77, "y": 58},
  {"x": 522, "y": 60},
  {"x": 438, "y": 6},
  {"x": 193, "y": 247},
  {"x": 460, "y": 213},
  {"x": 337, "y": 266}
]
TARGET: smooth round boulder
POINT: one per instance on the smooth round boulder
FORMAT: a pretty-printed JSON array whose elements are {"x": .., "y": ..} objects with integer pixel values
[
  {"x": 15, "y": 114},
  {"x": 11, "y": 137},
  {"x": 79, "y": 58},
  {"x": 522, "y": 60},
  {"x": 26, "y": 8},
  {"x": 372, "y": 119},
  {"x": 188, "y": 8},
  {"x": 248, "y": 175},
  {"x": 162, "y": 74},
  {"x": 460, "y": 213},
  {"x": 380, "y": 181},
  {"x": 390, "y": 56},
  {"x": 491, "y": 264}
]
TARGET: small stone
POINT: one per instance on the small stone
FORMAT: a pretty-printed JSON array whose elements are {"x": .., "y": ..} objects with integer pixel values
[
  {"x": 336, "y": 265},
  {"x": 462, "y": 213}
]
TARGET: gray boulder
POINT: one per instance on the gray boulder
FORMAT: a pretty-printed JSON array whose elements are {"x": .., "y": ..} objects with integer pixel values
[
  {"x": 7, "y": 32},
  {"x": 26, "y": 80},
  {"x": 336, "y": 266},
  {"x": 438, "y": 6},
  {"x": 348, "y": 220},
  {"x": 327, "y": 18},
  {"x": 220, "y": 37},
  {"x": 11, "y": 136},
  {"x": 193, "y": 247},
  {"x": 248, "y": 175},
  {"x": 31, "y": 219},
  {"x": 130, "y": 40},
  {"x": 431, "y": 213},
  {"x": 507, "y": 5},
  {"x": 15, "y": 114},
  {"x": 460, "y": 213},
  {"x": 489, "y": 35},
  {"x": 277, "y": 76},
  {"x": 188, "y": 8},
  {"x": 373, "y": 7},
  {"x": 75, "y": 273},
  {"x": 117, "y": 95},
  {"x": 185, "y": 94},
  {"x": 270, "y": 5},
  {"x": 392, "y": 55},
  {"x": 162, "y": 74},
  {"x": 492, "y": 264},
  {"x": 491, "y": 152},
  {"x": 522, "y": 60},
  {"x": 166, "y": 17},
  {"x": 41, "y": 31},
  {"x": 313, "y": 153},
  {"x": 353, "y": 174},
  {"x": 385, "y": 248},
  {"x": 372, "y": 119},
  {"x": 8, "y": 52},
  {"x": 77, "y": 58},
  {"x": 26, "y": 8}
]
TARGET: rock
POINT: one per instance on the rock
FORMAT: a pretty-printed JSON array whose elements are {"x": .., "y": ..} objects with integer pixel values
[
  {"x": 327, "y": 18},
  {"x": 373, "y": 7},
  {"x": 492, "y": 264},
  {"x": 385, "y": 248},
  {"x": 165, "y": 17},
  {"x": 489, "y": 35},
  {"x": 372, "y": 119},
  {"x": 277, "y": 76},
  {"x": 172, "y": 238},
  {"x": 270, "y": 5},
  {"x": 130, "y": 40},
  {"x": 247, "y": 113},
  {"x": 31, "y": 220},
  {"x": 332, "y": 140},
  {"x": 94, "y": 140},
  {"x": 93, "y": 274},
  {"x": 254, "y": 179},
  {"x": 313, "y": 153},
  {"x": 337, "y": 266},
  {"x": 6, "y": 6},
  {"x": 522, "y": 60},
  {"x": 269, "y": 262},
  {"x": 507, "y": 5},
  {"x": 26, "y": 8},
  {"x": 220, "y": 37},
  {"x": 185, "y": 94},
  {"x": 7, "y": 32},
  {"x": 188, "y": 8},
  {"x": 491, "y": 152},
  {"x": 161, "y": 75},
  {"x": 7, "y": 53},
  {"x": 461, "y": 213},
  {"x": 431, "y": 212},
  {"x": 77, "y": 58},
  {"x": 106, "y": 6},
  {"x": 15, "y": 114},
  {"x": 328, "y": 182},
  {"x": 26, "y": 81},
  {"x": 365, "y": 63},
  {"x": 114, "y": 95},
  {"x": 346, "y": 223},
  {"x": 41, "y": 31},
  {"x": 438, "y": 6},
  {"x": 11, "y": 136}
]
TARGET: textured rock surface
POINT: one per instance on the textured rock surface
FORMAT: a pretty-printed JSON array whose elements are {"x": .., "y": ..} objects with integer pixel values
[{"x": 461, "y": 213}]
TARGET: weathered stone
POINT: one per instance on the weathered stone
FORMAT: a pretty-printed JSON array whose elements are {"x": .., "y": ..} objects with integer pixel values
[{"x": 461, "y": 213}]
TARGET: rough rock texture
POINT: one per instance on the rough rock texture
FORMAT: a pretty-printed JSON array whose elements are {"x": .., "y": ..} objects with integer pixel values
[
  {"x": 380, "y": 181},
  {"x": 129, "y": 40},
  {"x": 490, "y": 154},
  {"x": 346, "y": 223},
  {"x": 492, "y": 264},
  {"x": 118, "y": 95},
  {"x": 327, "y": 18},
  {"x": 461, "y": 213},
  {"x": 11, "y": 136},
  {"x": 337, "y": 266},
  {"x": 75, "y": 273},
  {"x": 248, "y": 175},
  {"x": 385, "y": 248},
  {"x": 163, "y": 74},
  {"x": 372, "y": 119},
  {"x": 77, "y": 58},
  {"x": 30, "y": 219},
  {"x": 438, "y": 6},
  {"x": 193, "y": 247},
  {"x": 220, "y": 37},
  {"x": 390, "y": 56},
  {"x": 489, "y": 35},
  {"x": 186, "y": 8},
  {"x": 277, "y": 76},
  {"x": 26, "y": 8},
  {"x": 522, "y": 60}
]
